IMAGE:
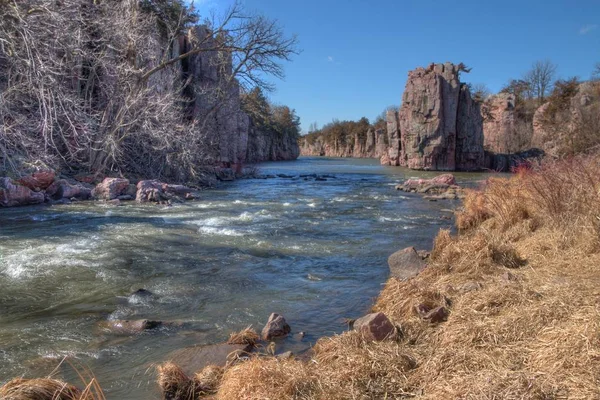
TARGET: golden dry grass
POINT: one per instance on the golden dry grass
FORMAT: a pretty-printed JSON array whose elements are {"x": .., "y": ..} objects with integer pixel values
[
  {"x": 245, "y": 336},
  {"x": 53, "y": 389}
]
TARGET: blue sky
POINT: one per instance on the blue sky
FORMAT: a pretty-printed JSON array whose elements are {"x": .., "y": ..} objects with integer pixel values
[{"x": 356, "y": 53}]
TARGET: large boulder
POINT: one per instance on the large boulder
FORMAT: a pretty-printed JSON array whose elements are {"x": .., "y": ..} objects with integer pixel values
[
  {"x": 276, "y": 327},
  {"x": 375, "y": 327},
  {"x": 12, "y": 194},
  {"x": 155, "y": 191},
  {"x": 110, "y": 188},
  {"x": 428, "y": 118},
  {"x": 63, "y": 189},
  {"x": 406, "y": 263},
  {"x": 38, "y": 181}
]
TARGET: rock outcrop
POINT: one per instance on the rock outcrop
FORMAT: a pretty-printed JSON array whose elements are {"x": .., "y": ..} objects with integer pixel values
[
  {"x": 438, "y": 127},
  {"x": 428, "y": 117},
  {"x": 565, "y": 128},
  {"x": 153, "y": 191},
  {"x": 499, "y": 124},
  {"x": 235, "y": 139}
]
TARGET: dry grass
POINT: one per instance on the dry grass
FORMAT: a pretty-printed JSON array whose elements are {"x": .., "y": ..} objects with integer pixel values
[
  {"x": 245, "y": 336},
  {"x": 53, "y": 389},
  {"x": 521, "y": 282}
]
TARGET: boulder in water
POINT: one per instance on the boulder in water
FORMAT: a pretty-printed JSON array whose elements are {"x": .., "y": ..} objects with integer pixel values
[
  {"x": 63, "y": 189},
  {"x": 276, "y": 327}
]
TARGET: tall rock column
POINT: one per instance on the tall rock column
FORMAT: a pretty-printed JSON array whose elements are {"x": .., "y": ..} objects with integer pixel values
[
  {"x": 394, "y": 152},
  {"x": 428, "y": 117},
  {"x": 469, "y": 133}
]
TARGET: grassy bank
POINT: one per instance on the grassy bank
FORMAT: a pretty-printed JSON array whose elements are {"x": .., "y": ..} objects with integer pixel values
[{"x": 521, "y": 282}]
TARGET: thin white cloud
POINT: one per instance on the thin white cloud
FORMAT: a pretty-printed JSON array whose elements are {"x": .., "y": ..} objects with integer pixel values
[
  {"x": 330, "y": 59},
  {"x": 587, "y": 29}
]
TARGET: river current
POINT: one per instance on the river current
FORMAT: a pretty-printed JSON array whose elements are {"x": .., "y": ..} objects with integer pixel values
[{"x": 314, "y": 251}]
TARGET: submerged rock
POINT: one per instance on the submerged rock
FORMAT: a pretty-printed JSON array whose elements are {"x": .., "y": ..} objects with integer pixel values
[
  {"x": 375, "y": 327},
  {"x": 276, "y": 327},
  {"x": 126, "y": 327},
  {"x": 12, "y": 194},
  {"x": 195, "y": 358},
  {"x": 406, "y": 263}
]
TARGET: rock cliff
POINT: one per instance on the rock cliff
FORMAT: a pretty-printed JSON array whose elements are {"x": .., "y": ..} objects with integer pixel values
[{"x": 236, "y": 139}]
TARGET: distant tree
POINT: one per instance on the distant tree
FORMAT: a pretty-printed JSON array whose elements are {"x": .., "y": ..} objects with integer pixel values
[
  {"x": 596, "y": 72},
  {"x": 479, "y": 91},
  {"x": 313, "y": 127},
  {"x": 540, "y": 78},
  {"x": 520, "y": 88}
]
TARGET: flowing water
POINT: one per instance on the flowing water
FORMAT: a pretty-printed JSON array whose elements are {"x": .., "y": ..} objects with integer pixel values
[{"x": 314, "y": 251}]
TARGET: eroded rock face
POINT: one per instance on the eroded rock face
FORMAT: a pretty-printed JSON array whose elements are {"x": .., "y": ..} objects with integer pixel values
[
  {"x": 469, "y": 133},
  {"x": 428, "y": 117},
  {"x": 12, "y": 194},
  {"x": 499, "y": 123},
  {"x": 276, "y": 327},
  {"x": 111, "y": 188},
  {"x": 395, "y": 154},
  {"x": 375, "y": 327},
  {"x": 406, "y": 263}
]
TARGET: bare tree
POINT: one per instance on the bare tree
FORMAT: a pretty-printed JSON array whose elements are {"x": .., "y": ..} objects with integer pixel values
[
  {"x": 104, "y": 84},
  {"x": 596, "y": 72},
  {"x": 540, "y": 79}
]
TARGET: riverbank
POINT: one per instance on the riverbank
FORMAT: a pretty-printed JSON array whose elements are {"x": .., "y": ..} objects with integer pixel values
[{"x": 520, "y": 286}]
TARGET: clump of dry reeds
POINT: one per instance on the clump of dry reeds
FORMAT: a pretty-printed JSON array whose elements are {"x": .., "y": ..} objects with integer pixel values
[
  {"x": 53, "y": 389},
  {"x": 247, "y": 336}
]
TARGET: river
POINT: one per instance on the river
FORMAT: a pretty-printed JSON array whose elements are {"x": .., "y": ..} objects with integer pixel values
[{"x": 314, "y": 251}]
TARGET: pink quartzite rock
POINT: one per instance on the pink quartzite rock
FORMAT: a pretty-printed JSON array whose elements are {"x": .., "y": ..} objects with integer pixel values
[
  {"x": 62, "y": 189},
  {"x": 111, "y": 188},
  {"x": 276, "y": 327},
  {"x": 375, "y": 327},
  {"x": 155, "y": 191},
  {"x": 39, "y": 180},
  {"x": 428, "y": 117},
  {"x": 12, "y": 194},
  {"x": 405, "y": 264},
  {"x": 499, "y": 124}
]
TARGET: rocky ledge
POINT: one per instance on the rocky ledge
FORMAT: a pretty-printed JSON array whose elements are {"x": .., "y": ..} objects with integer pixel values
[{"x": 441, "y": 187}]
